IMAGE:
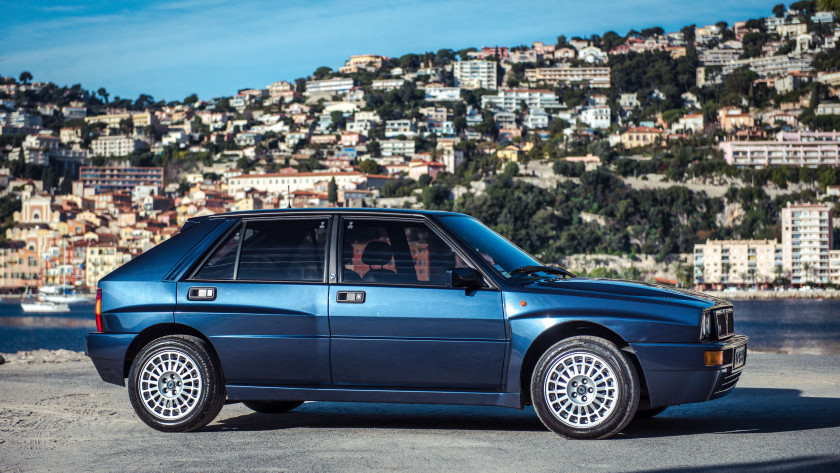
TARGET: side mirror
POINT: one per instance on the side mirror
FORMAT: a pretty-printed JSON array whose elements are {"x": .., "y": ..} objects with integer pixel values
[{"x": 464, "y": 277}]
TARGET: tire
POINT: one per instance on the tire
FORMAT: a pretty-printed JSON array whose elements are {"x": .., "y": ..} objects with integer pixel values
[
  {"x": 567, "y": 376},
  {"x": 648, "y": 413},
  {"x": 175, "y": 384},
  {"x": 272, "y": 407}
]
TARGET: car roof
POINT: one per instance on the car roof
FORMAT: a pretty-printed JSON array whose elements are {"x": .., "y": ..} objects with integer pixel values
[{"x": 321, "y": 210}]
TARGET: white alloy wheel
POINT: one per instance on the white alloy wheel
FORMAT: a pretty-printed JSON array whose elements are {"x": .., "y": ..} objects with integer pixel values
[
  {"x": 170, "y": 385},
  {"x": 581, "y": 389}
]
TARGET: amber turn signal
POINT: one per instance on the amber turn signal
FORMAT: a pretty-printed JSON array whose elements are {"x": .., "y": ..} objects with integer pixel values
[
  {"x": 713, "y": 358},
  {"x": 523, "y": 303}
]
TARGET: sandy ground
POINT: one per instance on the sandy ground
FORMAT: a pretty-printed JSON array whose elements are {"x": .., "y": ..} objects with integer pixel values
[{"x": 57, "y": 415}]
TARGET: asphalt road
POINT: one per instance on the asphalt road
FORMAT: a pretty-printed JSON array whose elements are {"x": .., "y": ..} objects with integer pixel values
[{"x": 784, "y": 416}]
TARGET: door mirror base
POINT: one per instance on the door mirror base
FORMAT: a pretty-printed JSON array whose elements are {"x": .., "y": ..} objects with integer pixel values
[{"x": 467, "y": 278}]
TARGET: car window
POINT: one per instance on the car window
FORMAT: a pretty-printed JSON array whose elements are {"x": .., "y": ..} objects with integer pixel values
[
  {"x": 395, "y": 252},
  {"x": 496, "y": 250},
  {"x": 220, "y": 265},
  {"x": 283, "y": 250}
]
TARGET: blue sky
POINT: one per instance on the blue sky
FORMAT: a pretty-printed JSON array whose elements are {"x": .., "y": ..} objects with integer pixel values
[{"x": 214, "y": 47}]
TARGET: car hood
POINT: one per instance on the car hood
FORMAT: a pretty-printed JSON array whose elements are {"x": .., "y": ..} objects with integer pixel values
[{"x": 625, "y": 288}]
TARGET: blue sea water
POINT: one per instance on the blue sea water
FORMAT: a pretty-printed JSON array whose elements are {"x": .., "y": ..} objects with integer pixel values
[{"x": 787, "y": 326}]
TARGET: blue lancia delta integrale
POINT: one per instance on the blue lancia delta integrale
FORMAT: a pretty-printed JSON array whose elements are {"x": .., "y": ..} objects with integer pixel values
[{"x": 274, "y": 308}]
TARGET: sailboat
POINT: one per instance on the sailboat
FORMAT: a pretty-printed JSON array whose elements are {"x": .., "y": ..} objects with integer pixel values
[{"x": 37, "y": 305}]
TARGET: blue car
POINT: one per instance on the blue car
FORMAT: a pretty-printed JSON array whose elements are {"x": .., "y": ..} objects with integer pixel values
[{"x": 274, "y": 308}]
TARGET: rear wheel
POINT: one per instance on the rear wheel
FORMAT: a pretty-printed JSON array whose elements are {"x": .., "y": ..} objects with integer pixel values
[
  {"x": 585, "y": 388},
  {"x": 174, "y": 384},
  {"x": 272, "y": 407}
]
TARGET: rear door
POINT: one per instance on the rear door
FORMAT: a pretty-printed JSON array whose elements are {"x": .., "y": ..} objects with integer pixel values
[
  {"x": 261, "y": 298},
  {"x": 394, "y": 321}
]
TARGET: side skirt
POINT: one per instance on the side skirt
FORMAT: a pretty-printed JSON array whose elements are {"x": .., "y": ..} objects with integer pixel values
[{"x": 270, "y": 393}]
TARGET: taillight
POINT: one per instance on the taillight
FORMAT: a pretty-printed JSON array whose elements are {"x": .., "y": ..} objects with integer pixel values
[{"x": 98, "y": 310}]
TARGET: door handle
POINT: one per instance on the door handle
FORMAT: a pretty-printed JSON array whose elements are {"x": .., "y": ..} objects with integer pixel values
[
  {"x": 354, "y": 297},
  {"x": 201, "y": 294}
]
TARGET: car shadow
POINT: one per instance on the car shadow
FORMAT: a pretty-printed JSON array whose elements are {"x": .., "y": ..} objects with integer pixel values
[
  {"x": 746, "y": 410},
  {"x": 811, "y": 464}
]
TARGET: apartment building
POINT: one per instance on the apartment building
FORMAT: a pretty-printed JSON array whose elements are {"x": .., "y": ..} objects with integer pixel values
[
  {"x": 362, "y": 62},
  {"x": 641, "y": 136},
  {"x": 100, "y": 260},
  {"x": 596, "y": 77},
  {"x": 117, "y": 145},
  {"x": 719, "y": 262},
  {"x": 443, "y": 94},
  {"x": 395, "y": 128},
  {"x": 388, "y": 84},
  {"x": 806, "y": 242},
  {"x": 328, "y": 86},
  {"x": 101, "y": 179},
  {"x": 140, "y": 120},
  {"x": 596, "y": 117},
  {"x": 808, "y": 149},
  {"x": 509, "y": 100},
  {"x": 476, "y": 74},
  {"x": 397, "y": 148}
]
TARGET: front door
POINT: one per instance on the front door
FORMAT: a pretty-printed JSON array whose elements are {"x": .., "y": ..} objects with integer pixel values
[
  {"x": 396, "y": 323},
  {"x": 261, "y": 298}
]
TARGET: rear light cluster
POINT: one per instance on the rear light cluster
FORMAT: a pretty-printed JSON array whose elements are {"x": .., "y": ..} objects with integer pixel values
[{"x": 98, "y": 310}]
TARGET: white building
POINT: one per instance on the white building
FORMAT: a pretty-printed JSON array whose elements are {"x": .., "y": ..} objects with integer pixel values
[
  {"x": 628, "y": 101},
  {"x": 116, "y": 146},
  {"x": 592, "y": 55},
  {"x": 395, "y": 128},
  {"x": 328, "y": 86},
  {"x": 509, "y": 100},
  {"x": 284, "y": 183},
  {"x": 443, "y": 94},
  {"x": 597, "y": 117},
  {"x": 692, "y": 122},
  {"x": 537, "y": 118},
  {"x": 476, "y": 74},
  {"x": 387, "y": 84},
  {"x": 806, "y": 242},
  {"x": 737, "y": 262},
  {"x": 397, "y": 148}
]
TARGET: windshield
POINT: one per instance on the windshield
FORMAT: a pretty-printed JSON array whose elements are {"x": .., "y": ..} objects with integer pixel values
[{"x": 500, "y": 253}]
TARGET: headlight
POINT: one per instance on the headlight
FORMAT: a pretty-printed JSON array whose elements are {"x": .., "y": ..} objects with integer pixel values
[{"x": 706, "y": 325}]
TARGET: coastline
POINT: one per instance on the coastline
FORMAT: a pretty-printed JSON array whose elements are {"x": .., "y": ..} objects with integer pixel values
[{"x": 773, "y": 295}]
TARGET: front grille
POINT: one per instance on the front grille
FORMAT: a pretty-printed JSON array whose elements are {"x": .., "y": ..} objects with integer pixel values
[
  {"x": 727, "y": 382},
  {"x": 724, "y": 322}
]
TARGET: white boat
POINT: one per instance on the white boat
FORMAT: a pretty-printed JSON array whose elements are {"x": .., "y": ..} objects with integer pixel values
[
  {"x": 69, "y": 298},
  {"x": 44, "y": 307}
]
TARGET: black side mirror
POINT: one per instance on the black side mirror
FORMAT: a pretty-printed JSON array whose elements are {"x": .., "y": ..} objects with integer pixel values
[{"x": 464, "y": 277}]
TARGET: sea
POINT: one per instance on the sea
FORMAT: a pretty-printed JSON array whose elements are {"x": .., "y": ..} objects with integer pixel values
[{"x": 795, "y": 326}]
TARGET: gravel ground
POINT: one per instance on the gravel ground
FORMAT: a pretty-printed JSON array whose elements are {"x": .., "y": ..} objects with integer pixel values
[{"x": 57, "y": 415}]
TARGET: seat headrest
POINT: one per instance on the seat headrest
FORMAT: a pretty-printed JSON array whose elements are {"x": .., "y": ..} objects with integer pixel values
[{"x": 377, "y": 253}]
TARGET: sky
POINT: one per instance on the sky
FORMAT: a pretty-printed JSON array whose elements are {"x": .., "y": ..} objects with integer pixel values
[{"x": 216, "y": 47}]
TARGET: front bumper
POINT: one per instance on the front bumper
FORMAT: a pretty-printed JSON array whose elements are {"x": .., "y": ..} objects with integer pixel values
[
  {"x": 676, "y": 374},
  {"x": 107, "y": 351}
]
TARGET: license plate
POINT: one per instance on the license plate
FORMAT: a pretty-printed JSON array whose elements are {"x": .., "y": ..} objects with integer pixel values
[{"x": 740, "y": 357}]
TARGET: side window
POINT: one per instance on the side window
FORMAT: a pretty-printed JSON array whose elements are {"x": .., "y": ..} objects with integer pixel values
[
  {"x": 220, "y": 265},
  {"x": 395, "y": 252},
  {"x": 283, "y": 250}
]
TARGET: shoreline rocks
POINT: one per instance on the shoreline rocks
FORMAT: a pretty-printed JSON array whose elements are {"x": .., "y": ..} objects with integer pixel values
[{"x": 42, "y": 356}]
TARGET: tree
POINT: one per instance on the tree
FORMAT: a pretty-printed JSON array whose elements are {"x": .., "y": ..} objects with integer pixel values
[
  {"x": 143, "y": 101},
  {"x": 25, "y": 77},
  {"x": 127, "y": 126},
  {"x": 322, "y": 72},
  {"x": 332, "y": 192},
  {"x": 779, "y": 10},
  {"x": 651, "y": 32},
  {"x": 829, "y": 5},
  {"x": 103, "y": 93},
  {"x": 369, "y": 166},
  {"x": 192, "y": 98}
]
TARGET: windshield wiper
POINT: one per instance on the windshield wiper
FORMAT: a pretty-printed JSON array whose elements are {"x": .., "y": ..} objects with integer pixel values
[{"x": 542, "y": 269}]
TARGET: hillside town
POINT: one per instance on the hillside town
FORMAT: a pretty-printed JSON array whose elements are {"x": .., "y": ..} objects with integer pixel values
[{"x": 720, "y": 143}]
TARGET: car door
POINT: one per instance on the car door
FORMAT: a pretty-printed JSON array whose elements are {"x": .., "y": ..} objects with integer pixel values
[
  {"x": 395, "y": 322},
  {"x": 261, "y": 298}
]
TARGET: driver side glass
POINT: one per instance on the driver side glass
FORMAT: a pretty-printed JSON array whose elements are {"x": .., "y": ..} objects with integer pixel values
[{"x": 395, "y": 252}]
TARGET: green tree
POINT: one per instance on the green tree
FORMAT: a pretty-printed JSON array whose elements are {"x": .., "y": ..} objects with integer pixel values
[
  {"x": 25, "y": 77},
  {"x": 332, "y": 192},
  {"x": 126, "y": 126},
  {"x": 192, "y": 98},
  {"x": 103, "y": 93},
  {"x": 829, "y": 5},
  {"x": 779, "y": 10},
  {"x": 322, "y": 72},
  {"x": 369, "y": 166}
]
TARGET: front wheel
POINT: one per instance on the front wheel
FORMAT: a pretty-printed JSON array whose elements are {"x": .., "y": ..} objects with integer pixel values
[
  {"x": 174, "y": 384},
  {"x": 585, "y": 388}
]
